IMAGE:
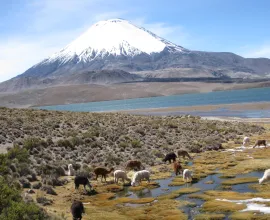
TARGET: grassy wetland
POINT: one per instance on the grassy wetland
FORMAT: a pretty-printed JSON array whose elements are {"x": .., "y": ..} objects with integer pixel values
[{"x": 38, "y": 146}]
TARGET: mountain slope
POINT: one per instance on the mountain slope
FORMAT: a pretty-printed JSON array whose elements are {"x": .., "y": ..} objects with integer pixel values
[{"x": 100, "y": 77}]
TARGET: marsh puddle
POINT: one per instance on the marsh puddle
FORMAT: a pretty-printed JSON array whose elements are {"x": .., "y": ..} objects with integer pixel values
[{"x": 203, "y": 184}]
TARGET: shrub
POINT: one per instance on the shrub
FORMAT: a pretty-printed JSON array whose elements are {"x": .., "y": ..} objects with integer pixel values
[
  {"x": 12, "y": 205},
  {"x": 65, "y": 143},
  {"x": 123, "y": 145},
  {"x": 23, "y": 211},
  {"x": 31, "y": 143},
  {"x": 76, "y": 141},
  {"x": 20, "y": 154},
  {"x": 136, "y": 144}
]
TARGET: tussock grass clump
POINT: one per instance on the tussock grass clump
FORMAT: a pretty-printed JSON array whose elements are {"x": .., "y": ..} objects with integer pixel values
[
  {"x": 240, "y": 180},
  {"x": 222, "y": 206},
  {"x": 210, "y": 216}
]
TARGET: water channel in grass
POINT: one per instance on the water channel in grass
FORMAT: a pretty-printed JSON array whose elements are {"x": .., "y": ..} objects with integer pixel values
[{"x": 202, "y": 184}]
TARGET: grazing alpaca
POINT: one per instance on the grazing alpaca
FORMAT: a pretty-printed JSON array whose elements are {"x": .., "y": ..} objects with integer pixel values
[
  {"x": 183, "y": 153},
  {"x": 177, "y": 168},
  {"x": 245, "y": 141},
  {"x": 187, "y": 175},
  {"x": 170, "y": 156},
  {"x": 71, "y": 171},
  {"x": 77, "y": 209},
  {"x": 132, "y": 164},
  {"x": 266, "y": 176},
  {"x": 81, "y": 180},
  {"x": 139, "y": 176},
  {"x": 259, "y": 143},
  {"x": 102, "y": 172},
  {"x": 120, "y": 174}
]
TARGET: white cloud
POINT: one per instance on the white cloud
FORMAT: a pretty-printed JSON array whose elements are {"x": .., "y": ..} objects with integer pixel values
[
  {"x": 261, "y": 51},
  {"x": 17, "y": 56}
]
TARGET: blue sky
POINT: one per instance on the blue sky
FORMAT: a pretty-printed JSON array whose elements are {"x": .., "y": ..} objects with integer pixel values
[{"x": 31, "y": 30}]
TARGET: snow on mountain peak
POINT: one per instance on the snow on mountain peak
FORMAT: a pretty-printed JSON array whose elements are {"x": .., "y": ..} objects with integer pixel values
[{"x": 114, "y": 37}]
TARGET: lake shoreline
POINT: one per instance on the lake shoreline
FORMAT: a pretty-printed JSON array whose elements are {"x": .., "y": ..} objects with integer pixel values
[{"x": 250, "y": 111}]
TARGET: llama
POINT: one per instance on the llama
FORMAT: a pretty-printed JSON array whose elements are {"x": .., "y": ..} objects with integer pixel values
[
  {"x": 177, "y": 168},
  {"x": 132, "y": 164},
  {"x": 71, "y": 171},
  {"x": 102, "y": 172},
  {"x": 259, "y": 143},
  {"x": 184, "y": 154},
  {"x": 139, "y": 176},
  {"x": 246, "y": 141},
  {"x": 266, "y": 176},
  {"x": 187, "y": 175},
  {"x": 77, "y": 209},
  {"x": 81, "y": 180},
  {"x": 120, "y": 174},
  {"x": 170, "y": 156}
]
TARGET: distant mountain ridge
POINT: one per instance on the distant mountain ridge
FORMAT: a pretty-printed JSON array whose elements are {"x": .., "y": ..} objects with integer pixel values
[{"x": 117, "y": 45}]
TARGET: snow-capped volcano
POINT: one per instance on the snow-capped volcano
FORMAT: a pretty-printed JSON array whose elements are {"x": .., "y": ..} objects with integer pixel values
[
  {"x": 114, "y": 37},
  {"x": 110, "y": 49}
]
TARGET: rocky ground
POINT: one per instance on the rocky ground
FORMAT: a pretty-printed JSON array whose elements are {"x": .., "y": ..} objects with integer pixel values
[{"x": 93, "y": 139}]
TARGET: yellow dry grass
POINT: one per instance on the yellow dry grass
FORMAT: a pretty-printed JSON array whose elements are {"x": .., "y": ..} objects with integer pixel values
[
  {"x": 209, "y": 216},
  {"x": 176, "y": 193},
  {"x": 222, "y": 206},
  {"x": 240, "y": 180}
]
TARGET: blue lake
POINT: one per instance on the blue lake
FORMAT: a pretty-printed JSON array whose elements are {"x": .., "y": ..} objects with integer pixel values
[{"x": 212, "y": 98}]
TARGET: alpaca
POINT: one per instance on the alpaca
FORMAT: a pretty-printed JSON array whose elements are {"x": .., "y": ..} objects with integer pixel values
[
  {"x": 266, "y": 176},
  {"x": 102, "y": 172},
  {"x": 81, "y": 180},
  {"x": 187, "y": 175},
  {"x": 259, "y": 143},
  {"x": 77, "y": 209},
  {"x": 120, "y": 174},
  {"x": 177, "y": 168},
  {"x": 246, "y": 140},
  {"x": 132, "y": 164},
  {"x": 183, "y": 153},
  {"x": 170, "y": 156},
  {"x": 71, "y": 171},
  {"x": 139, "y": 176}
]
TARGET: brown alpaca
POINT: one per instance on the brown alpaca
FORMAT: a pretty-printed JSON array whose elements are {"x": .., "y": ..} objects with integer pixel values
[
  {"x": 100, "y": 171},
  {"x": 177, "y": 167},
  {"x": 132, "y": 164},
  {"x": 183, "y": 154},
  {"x": 259, "y": 143}
]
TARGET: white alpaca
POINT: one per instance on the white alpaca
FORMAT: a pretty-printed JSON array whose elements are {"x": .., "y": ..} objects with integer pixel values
[
  {"x": 187, "y": 174},
  {"x": 120, "y": 174},
  {"x": 245, "y": 141},
  {"x": 71, "y": 171},
  {"x": 139, "y": 176},
  {"x": 266, "y": 176}
]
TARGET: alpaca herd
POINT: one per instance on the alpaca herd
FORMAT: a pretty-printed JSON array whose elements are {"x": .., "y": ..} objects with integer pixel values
[{"x": 77, "y": 207}]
